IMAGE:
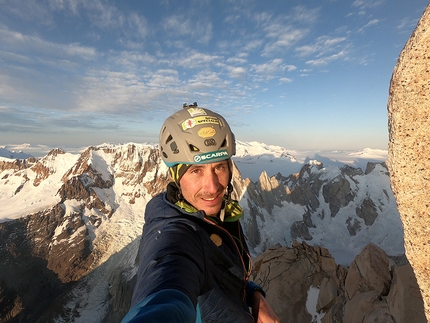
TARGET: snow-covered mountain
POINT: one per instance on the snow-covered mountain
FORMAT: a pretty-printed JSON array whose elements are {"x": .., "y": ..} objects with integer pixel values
[
  {"x": 70, "y": 223},
  {"x": 252, "y": 158},
  {"x": 6, "y": 153}
]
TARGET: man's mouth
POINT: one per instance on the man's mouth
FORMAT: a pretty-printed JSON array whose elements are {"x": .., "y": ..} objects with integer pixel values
[{"x": 209, "y": 198}]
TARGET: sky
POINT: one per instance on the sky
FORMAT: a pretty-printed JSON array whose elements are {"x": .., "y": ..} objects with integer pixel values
[{"x": 298, "y": 74}]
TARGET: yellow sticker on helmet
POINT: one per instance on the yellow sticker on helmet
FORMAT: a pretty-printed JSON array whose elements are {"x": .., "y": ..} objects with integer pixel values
[
  {"x": 194, "y": 112},
  {"x": 206, "y": 132},
  {"x": 188, "y": 124}
]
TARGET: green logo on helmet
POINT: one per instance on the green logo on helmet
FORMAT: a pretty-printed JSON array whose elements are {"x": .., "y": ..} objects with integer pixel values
[{"x": 212, "y": 156}]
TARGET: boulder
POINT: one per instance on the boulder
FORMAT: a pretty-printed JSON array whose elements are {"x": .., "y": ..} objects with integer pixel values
[
  {"x": 409, "y": 149},
  {"x": 369, "y": 271},
  {"x": 288, "y": 273},
  {"x": 373, "y": 289}
]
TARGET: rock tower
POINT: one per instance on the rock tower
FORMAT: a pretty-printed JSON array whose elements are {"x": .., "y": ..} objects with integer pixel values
[{"x": 409, "y": 149}]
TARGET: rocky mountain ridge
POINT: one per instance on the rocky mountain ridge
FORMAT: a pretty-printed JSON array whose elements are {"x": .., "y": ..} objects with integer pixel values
[{"x": 71, "y": 224}]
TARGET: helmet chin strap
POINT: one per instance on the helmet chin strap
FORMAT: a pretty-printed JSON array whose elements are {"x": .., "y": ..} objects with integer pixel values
[
  {"x": 226, "y": 200},
  {"x": 227, "y": 196},
  {"x": 179, "y": 195}
]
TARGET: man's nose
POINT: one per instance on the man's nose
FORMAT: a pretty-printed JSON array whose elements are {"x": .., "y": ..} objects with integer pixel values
[{"x": 211, "y": 182}]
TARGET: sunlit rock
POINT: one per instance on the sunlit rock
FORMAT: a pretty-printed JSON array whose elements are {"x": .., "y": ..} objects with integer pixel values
[{"x": 409, "y": 149}]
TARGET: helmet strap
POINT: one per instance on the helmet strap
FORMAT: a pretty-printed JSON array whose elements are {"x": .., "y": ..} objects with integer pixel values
[
  {"x": 227, "y": 196},
  {"x": 178, "y": 192},
  {"x": 226, "y": 200}
]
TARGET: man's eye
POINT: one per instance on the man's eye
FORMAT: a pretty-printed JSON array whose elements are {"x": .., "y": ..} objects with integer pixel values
[{"x": 221, "y": 168}]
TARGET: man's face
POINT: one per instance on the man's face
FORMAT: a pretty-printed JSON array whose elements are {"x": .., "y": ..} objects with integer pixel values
[{"x": 203, "y": 186}]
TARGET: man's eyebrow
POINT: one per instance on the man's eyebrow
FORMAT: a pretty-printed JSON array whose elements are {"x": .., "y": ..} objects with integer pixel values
[
  {"x": 195, "y": 166},
  {"x": 222, "y": 162}
]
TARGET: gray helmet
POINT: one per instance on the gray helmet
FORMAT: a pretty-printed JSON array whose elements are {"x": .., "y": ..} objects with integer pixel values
[{"x": 195, "y": 135}]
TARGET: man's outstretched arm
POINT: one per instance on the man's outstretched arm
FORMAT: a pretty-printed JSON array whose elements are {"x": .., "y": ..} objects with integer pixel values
[
  {"x": 261, "y": 310},
  {"x": 165, "y": 306}
]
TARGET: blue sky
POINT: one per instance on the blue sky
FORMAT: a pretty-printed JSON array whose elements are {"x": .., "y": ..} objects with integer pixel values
[{"x": 298, "y": 74}]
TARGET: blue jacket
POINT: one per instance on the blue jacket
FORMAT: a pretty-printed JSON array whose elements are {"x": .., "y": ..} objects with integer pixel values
[{"x": 190, "y": 269}]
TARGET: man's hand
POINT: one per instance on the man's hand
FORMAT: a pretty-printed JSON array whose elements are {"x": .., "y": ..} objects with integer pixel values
[{"x": 261, "y": 310}]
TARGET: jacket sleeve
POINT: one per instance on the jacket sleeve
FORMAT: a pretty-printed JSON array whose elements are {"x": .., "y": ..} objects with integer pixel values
[
  {"x": 250, "y": 289},
  {"x": 171, "y": 273},
  {"x": 167, "y": 305}
]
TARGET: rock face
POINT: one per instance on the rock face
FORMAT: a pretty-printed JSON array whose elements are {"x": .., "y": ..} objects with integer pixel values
[
  {"x": 373, "y": 289},
  {"x": 409, "y": 149}
]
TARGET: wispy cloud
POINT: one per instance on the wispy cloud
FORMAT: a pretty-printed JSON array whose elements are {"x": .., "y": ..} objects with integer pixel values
[
  {"x": 101, "y": 14},
  {"x": 283, "y": 31},
  {"x": 305, "y": 15},
  {"x": 237, "y": 60},
  {"x": 138, "y": 26},
  {"x": 253, "y": 45},
  {"x": 272, "y": 67},
  {"x": 325, "y": 50},
  {"x": 237, "y": 72},
  {"x": 182, "y": 26},
  {"x": 367, "y": 4},
  {"x": 207, "y": 80},
  {"x": 193, "y": 59},
  {"x": 108, "y": 91},
  {"x": 285, "y": 80},
  {"x": 32, "y": 46},
  {"x": 327, "y": 59},
  {"x": 284, "y": 40},
  {"x": 164, "y": 79},
  {"x": 44, "y": 121},
  {"x": 29, "y": 10},
  {"x": 369, "y": 24},
  {"x": 323, "y": 44},
  {"x": 407, "y": 24}
]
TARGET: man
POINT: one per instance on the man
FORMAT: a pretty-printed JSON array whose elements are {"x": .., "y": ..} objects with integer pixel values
[{"x": 194, "y": 261}]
